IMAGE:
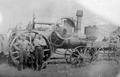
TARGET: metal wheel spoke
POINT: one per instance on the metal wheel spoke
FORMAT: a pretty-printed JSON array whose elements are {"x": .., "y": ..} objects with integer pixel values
[
  {"x": 18, "y": 48},
  {"x": 75, "y": 54},
  {"x": 56, "y": 41},
  {"x": 16, "y": 57},
  {"x": 16, "y": 60},
  {"x": 15, "y": 52},
  {"x": 46, "y": 50},
  {"x": 74, "y": 61},
  {"x": 35, "y": 35},
  {"x": 85, "y": 50},
  {"x": 78, "y": 51},
  {"x": 82, "y": 50}
]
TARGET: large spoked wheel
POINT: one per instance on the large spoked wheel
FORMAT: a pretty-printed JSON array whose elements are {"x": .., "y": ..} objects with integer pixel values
[
  {"x": 80, "y": 56},
  {"x": 20, "y": 47},
  {"x": 29, "y": 49},
  {"x": 76, "y": 58}
]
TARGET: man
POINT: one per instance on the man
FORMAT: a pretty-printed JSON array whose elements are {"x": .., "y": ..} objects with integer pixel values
[
  {"x": 24, "y": 47},
  {"x": 39, "y": 54}
]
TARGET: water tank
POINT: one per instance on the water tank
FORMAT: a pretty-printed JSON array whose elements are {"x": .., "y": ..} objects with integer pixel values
[{"x": 91, "y": 32}]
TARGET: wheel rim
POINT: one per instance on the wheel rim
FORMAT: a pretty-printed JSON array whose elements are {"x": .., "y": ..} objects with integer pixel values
[
  {"x": 15, "y": 50},
  {"x": 16, "y": 47},
  {"x": 78, "y": 56}
]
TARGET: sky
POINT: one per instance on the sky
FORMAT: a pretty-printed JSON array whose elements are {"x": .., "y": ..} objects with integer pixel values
[
  {"x": 109, "y": 9},
  {"x": 96, "y": 12}
]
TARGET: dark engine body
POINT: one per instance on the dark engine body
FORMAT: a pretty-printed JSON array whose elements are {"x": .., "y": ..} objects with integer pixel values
[{"x": 59, "y": 42}]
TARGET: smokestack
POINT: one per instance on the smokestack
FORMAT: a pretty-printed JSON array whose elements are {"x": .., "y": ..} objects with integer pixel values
[{"x": 79, "y": 15}]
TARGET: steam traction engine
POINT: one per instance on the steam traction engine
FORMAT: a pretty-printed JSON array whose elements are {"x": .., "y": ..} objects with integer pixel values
[{"x": 32, "y": 48}]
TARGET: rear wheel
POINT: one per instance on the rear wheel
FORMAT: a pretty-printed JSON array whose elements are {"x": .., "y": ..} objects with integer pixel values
[
  {"x": 19, "y": 50},
  {"x": 26, "y": 54}
]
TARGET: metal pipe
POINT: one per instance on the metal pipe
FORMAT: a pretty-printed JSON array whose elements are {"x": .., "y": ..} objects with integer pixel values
[{"x": 79, "y": 15}]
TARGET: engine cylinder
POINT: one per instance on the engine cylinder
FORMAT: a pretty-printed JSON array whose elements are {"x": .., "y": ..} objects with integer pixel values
[{"x": 71, "y": 42}]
